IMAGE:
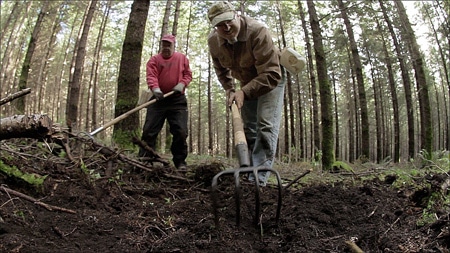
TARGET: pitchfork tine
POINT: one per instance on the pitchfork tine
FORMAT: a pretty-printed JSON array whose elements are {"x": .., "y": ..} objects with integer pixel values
[{"x": 236, "y": 174}]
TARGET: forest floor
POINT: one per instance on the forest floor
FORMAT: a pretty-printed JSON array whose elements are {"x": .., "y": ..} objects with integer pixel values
[{"x": 107, "y": 205}]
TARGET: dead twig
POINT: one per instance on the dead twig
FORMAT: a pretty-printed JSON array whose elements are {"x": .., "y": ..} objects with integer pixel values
[
  {"x": 296, "y": 179},
  {"x": 35, "y": 201},
  {"x": 391, "y": 226}
]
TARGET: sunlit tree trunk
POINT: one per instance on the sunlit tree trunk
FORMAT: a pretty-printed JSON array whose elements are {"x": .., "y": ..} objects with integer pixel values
[
  {"x": 129, "y": 72},
  {"x": 324, "y": 89}
]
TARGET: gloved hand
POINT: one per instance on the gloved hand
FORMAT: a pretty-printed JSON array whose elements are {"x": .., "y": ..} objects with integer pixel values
[
  {"x": 178, "y": 88},
  {"x": 158, "y": 93}
]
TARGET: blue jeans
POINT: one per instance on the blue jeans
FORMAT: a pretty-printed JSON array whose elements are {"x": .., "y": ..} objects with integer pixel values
[{"x": 262, "y": 118}]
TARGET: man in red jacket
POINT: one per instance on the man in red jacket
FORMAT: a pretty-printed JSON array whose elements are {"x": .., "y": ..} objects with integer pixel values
[{"x": 168, "y": 71}]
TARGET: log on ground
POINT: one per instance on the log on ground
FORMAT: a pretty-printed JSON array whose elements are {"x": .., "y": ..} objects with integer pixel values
[{"x": 26, "y": 126}]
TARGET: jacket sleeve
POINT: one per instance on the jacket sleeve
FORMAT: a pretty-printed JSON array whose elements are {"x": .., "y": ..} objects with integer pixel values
[
  {"x": 222, "y": 73},
  {"x": 267, "y": 64},
  {"x": 152, "y": 73},
  {"x": 187, "y": 73}
]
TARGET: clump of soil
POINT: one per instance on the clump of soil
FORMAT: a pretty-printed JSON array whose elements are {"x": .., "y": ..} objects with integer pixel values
[{"x": 118, "y": 207}]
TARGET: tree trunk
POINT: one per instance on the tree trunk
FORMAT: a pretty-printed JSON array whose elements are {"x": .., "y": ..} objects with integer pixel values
[
  {"x": 378, "y": 155},
  {"x": 20, "y": 102},
  {"x": 406, "y": 83},
  {"x": 446, "y": 73},
  {"x": 365, "y": 134},
  {"x": 337, "y": 147},
  {"x": 199, "y": 118},
  {"x": 394, "y": 97},
  {"x": 324, "y": 89},
  {"x": 73, "y": 98},
  {"x": 315, "y": 129},
  {"x": 129, "y": 72},
  {"x": 92, "y": 100},
  {"x": 426, "y": 126}
]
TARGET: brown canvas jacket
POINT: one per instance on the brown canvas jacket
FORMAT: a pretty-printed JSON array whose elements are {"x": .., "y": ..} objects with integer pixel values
[{"x": 255, "y": 61}]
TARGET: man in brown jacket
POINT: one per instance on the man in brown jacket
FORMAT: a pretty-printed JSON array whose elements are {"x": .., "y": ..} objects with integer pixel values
[{"x": 242, "y": 48}]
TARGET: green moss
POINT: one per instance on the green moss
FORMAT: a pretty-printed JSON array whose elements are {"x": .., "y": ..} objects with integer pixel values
[
  {"x": 33, "y": 179},
  {"x": 340, "y": 165}
]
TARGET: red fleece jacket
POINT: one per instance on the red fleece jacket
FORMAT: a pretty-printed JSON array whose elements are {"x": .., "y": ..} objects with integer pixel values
[{"x": 166, "y": 73}]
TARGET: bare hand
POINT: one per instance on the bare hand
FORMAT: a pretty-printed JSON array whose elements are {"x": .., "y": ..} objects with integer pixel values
[{"x": 237, "y": 97}]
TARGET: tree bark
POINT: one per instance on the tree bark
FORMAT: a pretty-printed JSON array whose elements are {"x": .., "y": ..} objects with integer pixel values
[
  {"x": 14, "y": 96},
  {"x": 324, "y": 89},
  {"x": 313, "y": 88},
  {"x": 426, "y": 126},
  {"x": 129, "y": 72},
  {"x": 365, "y": 134},
  {"x": 73, "y": 98},
  {"x": 393, "y": 90},
  {"x": 26, "y": 126},
  {"x": 20, "y": 102},
  {"x": 406, "y": 83}
]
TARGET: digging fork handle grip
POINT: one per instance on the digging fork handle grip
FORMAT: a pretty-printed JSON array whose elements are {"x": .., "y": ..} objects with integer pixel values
[
  {"x": 238, "y": 126},
  {"x": 240, "y": 141}
]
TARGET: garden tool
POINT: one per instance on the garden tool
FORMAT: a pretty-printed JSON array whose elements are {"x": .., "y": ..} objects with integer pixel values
[
  {"x": 123, "y": 116},
  {"x": 241, "y": 148}
]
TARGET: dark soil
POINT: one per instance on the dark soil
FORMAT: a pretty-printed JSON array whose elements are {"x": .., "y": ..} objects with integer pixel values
[{"x": 121, "y": 208}]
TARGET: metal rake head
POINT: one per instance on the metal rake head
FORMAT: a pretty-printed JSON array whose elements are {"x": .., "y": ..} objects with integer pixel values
[{"x": 236, "y": 174}]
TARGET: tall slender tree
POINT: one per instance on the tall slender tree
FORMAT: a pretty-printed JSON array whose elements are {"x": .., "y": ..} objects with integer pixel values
[
  {"x": 326, "y": 101},
  {"x": 406, "y": 81},
  {"x": 313, "y": 86},
  {"x": 393, "y": 91},
  {"x": 129, "y": 72},
  {"x": 23, "y": 81},
  {"x": 365, "y": 133},
  {"x": 426, "y": 126},
  {"x": 73, "y": 98}
]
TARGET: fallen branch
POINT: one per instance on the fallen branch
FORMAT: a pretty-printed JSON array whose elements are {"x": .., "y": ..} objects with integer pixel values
[
  {"x": 154, "y": 157},
  {"x": 297, "y": 178},
  {"x": 14, "y": 96},
  {"x": 35, "y": 201}
]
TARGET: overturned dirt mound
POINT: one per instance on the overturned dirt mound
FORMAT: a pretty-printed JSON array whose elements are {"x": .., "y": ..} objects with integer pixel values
[{"x": 115, "y": 207}]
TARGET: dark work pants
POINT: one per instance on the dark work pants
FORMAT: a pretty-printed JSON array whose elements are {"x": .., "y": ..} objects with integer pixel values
[{"x": 174, "y": 109}]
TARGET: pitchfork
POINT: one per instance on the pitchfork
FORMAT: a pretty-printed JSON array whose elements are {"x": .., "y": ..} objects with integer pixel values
[{"x": 244, "y": 162}]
